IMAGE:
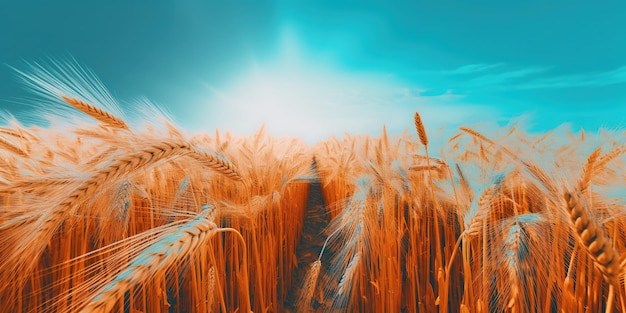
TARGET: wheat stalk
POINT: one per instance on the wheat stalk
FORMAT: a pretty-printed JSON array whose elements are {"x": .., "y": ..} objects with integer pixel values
[
  {"x": 165, "y": 252},
  {"x": 603, "y": 160},
  {"x": 211, "y": 288},
  {"x": 10, "y": 132},
  {"x": 588, "y": 170},
  {"x": 215, "y": 162},
  {"x": 147, "y": 157},
  {"x": 48, "y": 223},
  {"x": 12, "y": 148},
  {"x": 310, "y": 283},
  {"x": 592, "y": 237},
  {"x": 97, "y": 113},
  {"x": 512, "y": 255},
  {"x": 353, "y": 228},
  {"x": 542, "y": 177},
  {"x": 485, "y": 139},
  {"x": 419, "y": 168},
  {"x": 20, "y": 133},
  {"x": 344, "y": 289},
  {"x": 477, "y": 134},
  {"x": 123, "y": 166},
  {"x": 475, "y": 218}
]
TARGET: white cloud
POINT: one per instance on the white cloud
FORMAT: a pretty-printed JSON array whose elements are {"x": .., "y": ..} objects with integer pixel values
[
  {"x": 472, "y": 68},
  {"x": 505, "y": 77},
  {"x": 616, "y": 76},
  {"x": 533, "y": 77}
]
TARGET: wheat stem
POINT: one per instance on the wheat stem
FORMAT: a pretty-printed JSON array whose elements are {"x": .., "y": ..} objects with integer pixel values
[
  {"x": 12, "y": 148},
  {"x": 169, "y": 249},
  {"x": 303, "y": 303}
]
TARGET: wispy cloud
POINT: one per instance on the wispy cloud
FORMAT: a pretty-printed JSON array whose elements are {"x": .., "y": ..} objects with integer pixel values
[
  {"x": 471, "y": 69},
  {"x": 506, "y": 77},
  {"x": 498, "y": 76},
  {"x": 616, "y": 76}
]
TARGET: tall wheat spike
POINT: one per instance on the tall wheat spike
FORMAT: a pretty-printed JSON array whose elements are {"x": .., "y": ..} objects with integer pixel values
[
  {"x": 345, "y": 283},
  {"x": 303, "y": 304},
  {"x": 521, "y": 248},
  {"x": 97, "y": 113},
  {"x": 594, "y": 240},
  {"x": 28, "y": 253},
  {"x": 608, "y": 157},
  {"x": 421, "y": 131},
  {"x": 219, "y": 164},
  {"x": 485, "y": 139},
  {"x": 126, "y": 165},
  {"x": 172, "y": 247},
  {"x": 588, "y": 170},
  {"x": 12, "y": 148},
  {"x": 513, "y": 242}
]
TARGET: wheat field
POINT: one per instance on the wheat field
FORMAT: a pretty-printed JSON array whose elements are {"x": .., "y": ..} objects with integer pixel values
[{"x": 98, "y": 214}]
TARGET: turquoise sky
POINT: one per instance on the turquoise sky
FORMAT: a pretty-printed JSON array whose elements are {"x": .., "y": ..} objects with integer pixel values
[{"x": 309, "y": 68}]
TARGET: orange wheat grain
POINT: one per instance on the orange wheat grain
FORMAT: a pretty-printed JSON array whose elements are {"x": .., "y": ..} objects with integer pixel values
[
  {"x": 594, "y": 240},
  {"x": 97, "y": 113},
  {"x": 421, "y": 131}
]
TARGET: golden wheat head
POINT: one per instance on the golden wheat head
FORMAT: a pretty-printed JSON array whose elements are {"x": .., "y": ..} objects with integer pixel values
[
  {"x": 181, "y": 242},
  {"x": 421, "y": 131},
  {"x": 594, "y": 240},
  {"x": 99, "y": 114},
  {"x": 6, "y": 145}
]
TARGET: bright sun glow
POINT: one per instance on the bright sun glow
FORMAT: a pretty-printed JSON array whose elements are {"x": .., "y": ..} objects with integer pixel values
[
  {"x": 298, "y": 102},
  {"x": 293, "y": 97}
]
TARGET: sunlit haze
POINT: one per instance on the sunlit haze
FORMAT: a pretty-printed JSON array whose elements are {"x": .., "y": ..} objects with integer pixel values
[
  {"x": 293, "y": 96},
  {"x": 322, "y": 68}
]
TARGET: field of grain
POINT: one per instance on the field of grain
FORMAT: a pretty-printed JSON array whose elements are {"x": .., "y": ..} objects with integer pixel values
[{"x": 99, "y": 216}]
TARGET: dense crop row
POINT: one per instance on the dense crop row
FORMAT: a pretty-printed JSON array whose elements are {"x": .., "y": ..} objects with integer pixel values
[{"x": 106, "y": 217}]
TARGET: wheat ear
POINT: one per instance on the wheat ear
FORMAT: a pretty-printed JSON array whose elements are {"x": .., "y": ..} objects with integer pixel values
[
  {"x": 310, "y": 283},
  {"x": 418, "y": 168},
  {"x": 99, "y": 114},
  {"x": 212, "y": 278},
  {"x": 19, "y": 133},
  {"x": 601, "y": 162},
  {"x": 217, "y": 163},
  {"x": 592, "y": 237},
  {"x": 475, "y": 221},
  {"x": 485, "y": 139},
  {"x": 588, "y": 170},
  {"x": 169, "y": 249},
  {"x": 512, "y": 255},
  {"x": 10, "y": 132},
  {"x": 143, "y": 158},
  {"x": 11, "y": 147},
  {"x": 48, "y": 223},
  {"x": 345, "y": 283},
  {"x": 123, "y": 166},
  {"x": 421, "y": 131}
]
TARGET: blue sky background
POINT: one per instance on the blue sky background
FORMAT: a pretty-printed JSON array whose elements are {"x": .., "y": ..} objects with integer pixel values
[{"x": 311, "y": 68}]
